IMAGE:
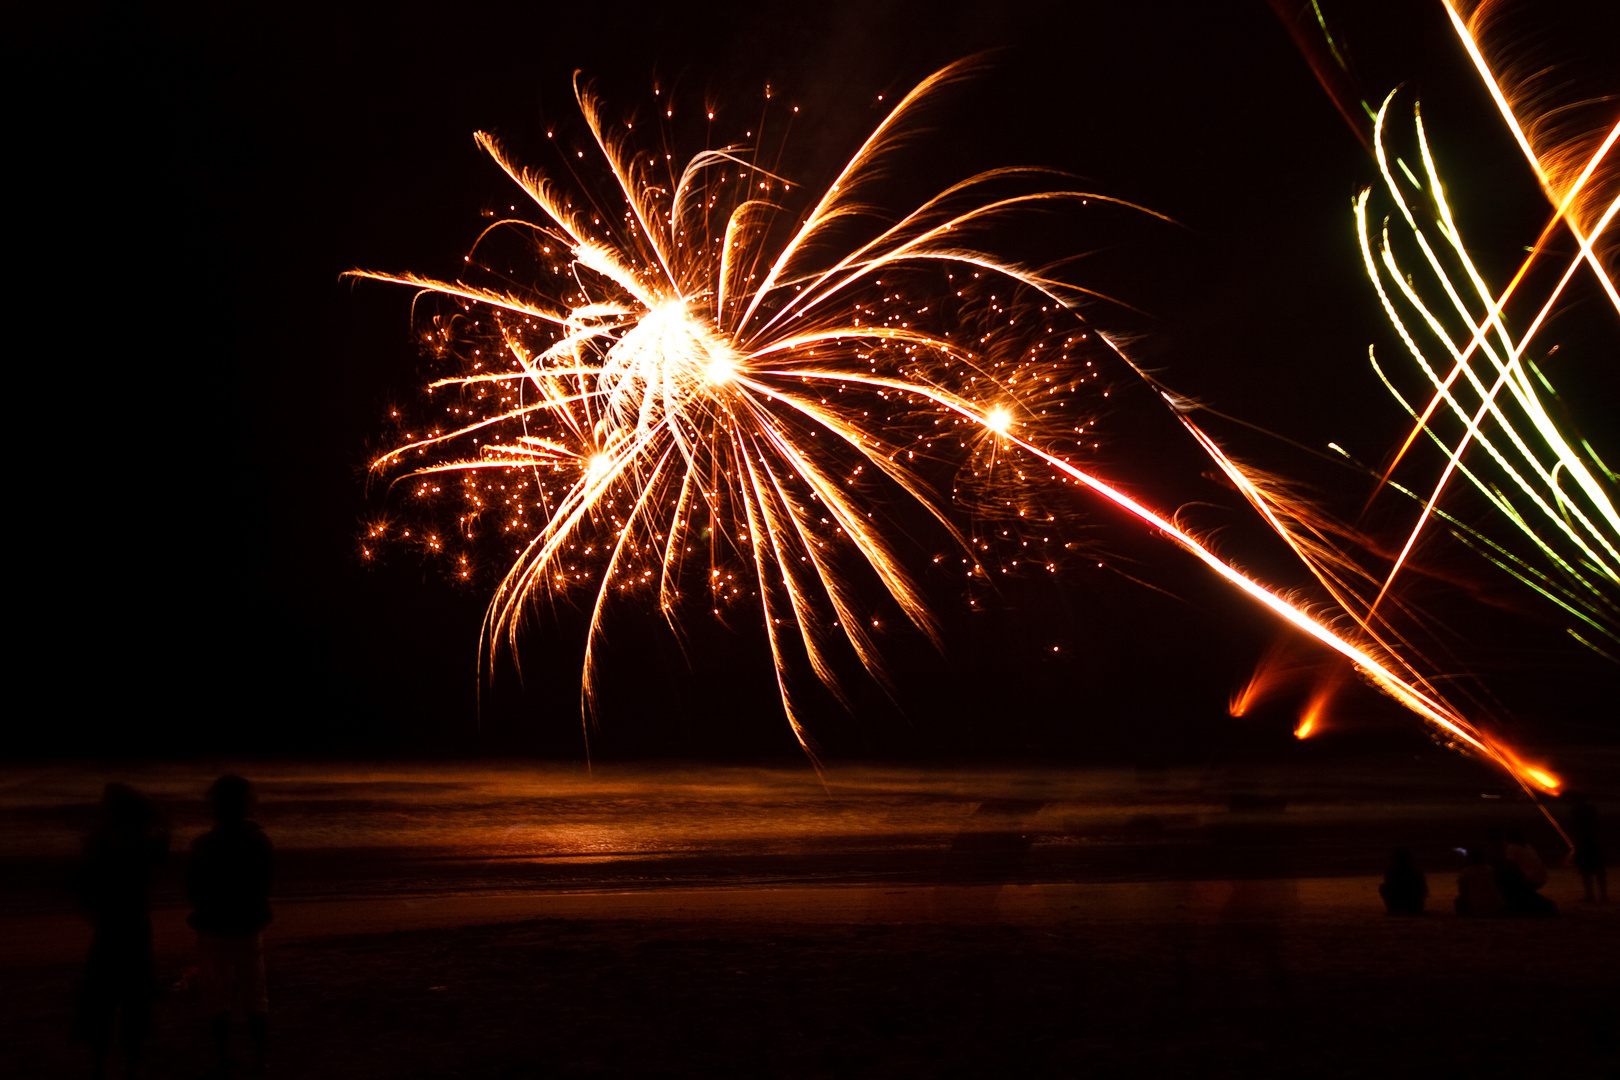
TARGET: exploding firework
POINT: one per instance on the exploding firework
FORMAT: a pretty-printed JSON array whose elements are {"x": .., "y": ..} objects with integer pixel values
[
  {"x": 1552, "y": 488},
  {"x": 704, "y": 398},
  {"x": 1491, "y": 411},
  {"x": 1486, "y": 389},
  {"x": 1549, "y": 484},
  {"x": 699, "y": 404}
]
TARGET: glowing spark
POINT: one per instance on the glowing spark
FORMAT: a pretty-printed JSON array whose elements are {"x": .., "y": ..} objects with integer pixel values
[
  {"x": 1310, "y": 718},
  {"x": 998, "y": 420},
  {"x": 1546, "y": 779}
]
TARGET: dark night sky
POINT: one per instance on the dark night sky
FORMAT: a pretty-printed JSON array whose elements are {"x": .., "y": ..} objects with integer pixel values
[{"x": 200, "y": 391}]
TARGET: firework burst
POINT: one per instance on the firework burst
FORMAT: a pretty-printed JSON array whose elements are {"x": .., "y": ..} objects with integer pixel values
[
  {"x": 706, "y": 398},
  {"x": 698, "y": 403}
]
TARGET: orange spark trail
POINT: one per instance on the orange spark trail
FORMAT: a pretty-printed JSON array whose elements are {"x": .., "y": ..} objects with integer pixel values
[
  {"x": 1430, "y": 708},
  {"x": 1547, "y": 185}
]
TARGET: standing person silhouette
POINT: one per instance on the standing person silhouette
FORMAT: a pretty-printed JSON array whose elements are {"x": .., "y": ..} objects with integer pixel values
[
  {"x": 1588, "y": 855},
  {"x": 229, "y": 886},
  {"x": 127, "y": 843},
  {"x": 1404, "y": 889}
]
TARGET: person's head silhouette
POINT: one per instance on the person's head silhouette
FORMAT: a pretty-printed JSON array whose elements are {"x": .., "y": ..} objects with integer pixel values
[{"x": 231, "y": 796}]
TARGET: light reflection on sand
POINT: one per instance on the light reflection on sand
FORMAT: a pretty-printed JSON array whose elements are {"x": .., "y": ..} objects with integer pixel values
[
  {"x": 548, "y": 811},
  {"x": 411, "y": 833}
]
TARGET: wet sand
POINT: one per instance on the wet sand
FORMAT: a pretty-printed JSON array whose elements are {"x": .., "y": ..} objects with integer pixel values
[{"x": 30, "y": 940}]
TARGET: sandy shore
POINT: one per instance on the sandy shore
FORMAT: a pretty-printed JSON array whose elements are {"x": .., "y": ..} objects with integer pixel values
[
  {"x": 512, "y": 921},
  {"x": 58, "y": 938},
  {"x": 1266, "y": 977}
]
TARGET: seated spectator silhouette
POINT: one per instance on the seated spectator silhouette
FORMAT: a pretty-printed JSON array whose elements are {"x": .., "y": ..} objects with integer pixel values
[
  {"x": 1519, "y": 852},
  {"x": 127, "y": 843},
  {"x": 1478, "y": 891},
  {"x": 1520, "y": 874},
  {"x": 1404, "y": 888},
  {"x": 229, "y": 886},
  {"x": 1517, "y": 892}
]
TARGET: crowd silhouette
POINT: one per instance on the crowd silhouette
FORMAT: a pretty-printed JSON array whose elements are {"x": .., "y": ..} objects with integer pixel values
[{"x": 228, "y": 884}]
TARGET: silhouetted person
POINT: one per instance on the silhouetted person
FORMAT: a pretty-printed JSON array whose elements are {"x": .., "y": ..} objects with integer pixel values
[
  {"x": 1517, "y": 892},
  {"x": 1404, "y": 888},
  {"x": 1478, "y": 890},
  {"x": 1523, "y": 875},
  {"x": 229, "y": 886},
  {"x": 127, "y": 843},
  {"x": 1518, "y": 851},
  {"x": 1588, "y": 855}
]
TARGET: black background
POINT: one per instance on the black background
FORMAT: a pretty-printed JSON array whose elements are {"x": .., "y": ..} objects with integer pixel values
[{"x": 195, "y": 392}]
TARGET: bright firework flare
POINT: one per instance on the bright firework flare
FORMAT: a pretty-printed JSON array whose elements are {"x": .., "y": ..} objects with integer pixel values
[{"x": 696, "y": 380}]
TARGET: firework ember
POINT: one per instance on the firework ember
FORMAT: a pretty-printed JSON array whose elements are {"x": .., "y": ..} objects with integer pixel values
[{"x": 707, "y": 399}]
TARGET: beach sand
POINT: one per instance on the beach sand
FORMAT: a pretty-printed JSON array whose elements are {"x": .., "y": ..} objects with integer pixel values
[
  {"x": 1253, "y": 978},
  {"x": 450, "y": 920}
]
